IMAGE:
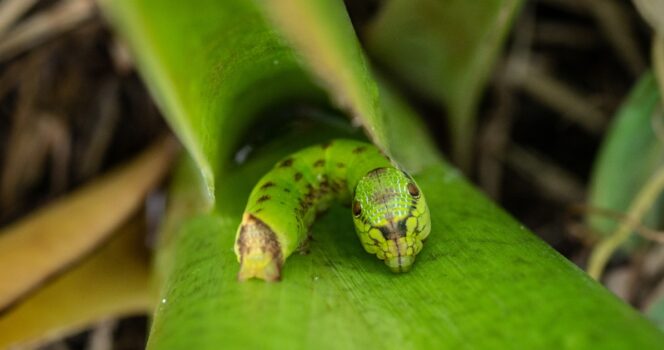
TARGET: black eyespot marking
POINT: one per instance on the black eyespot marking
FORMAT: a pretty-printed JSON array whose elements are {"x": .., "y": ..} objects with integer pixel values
[
  {"x": 319, "y": 163},
  {"x": 267, "y": 185},
  {"x": 286, "y": 163},
  {"x": 263, "y": 198},
  {"x": 359, "y": 150},
  {"x": 413, "y": 190},
  {"x": 385, "y": 232},
  {"x": 357, "y": 208},
  {"x": 297, "y": 176}
]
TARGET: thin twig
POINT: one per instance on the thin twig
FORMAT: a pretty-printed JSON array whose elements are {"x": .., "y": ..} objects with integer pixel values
[
  {"x": 101, "y": 337},
  {"x": 616, "y": 26},
  {"x": 646, "y": 232},
  {"x": 39, "y": 28},
  {"x": 494, "y": 138},
  {"x": 643, "y": 201},
  {"x": 584, "y": 234},
  {"x": 554, "y": 181},
  {"x": 102, "y": 132},
  {"x": 572, "y": 6},
  {"x": 122, "y": 60},
  {"x": 651, "y": 11},
  {"x": 563, "y": 98},
  {"x": 11, "y": 11},
  {"x": 565, "y": 35}
]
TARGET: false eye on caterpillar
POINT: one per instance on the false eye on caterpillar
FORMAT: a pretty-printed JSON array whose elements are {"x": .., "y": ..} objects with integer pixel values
[{"x": 389, "y": 210}]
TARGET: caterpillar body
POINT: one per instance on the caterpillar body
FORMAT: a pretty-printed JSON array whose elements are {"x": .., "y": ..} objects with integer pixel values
[{"x": 389, "y": 211}]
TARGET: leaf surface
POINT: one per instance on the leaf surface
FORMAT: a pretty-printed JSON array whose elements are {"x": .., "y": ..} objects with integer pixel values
[{"x": 629, "y": 155}]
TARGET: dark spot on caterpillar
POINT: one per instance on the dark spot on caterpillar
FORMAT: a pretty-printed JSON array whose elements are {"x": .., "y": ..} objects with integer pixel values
[
  {"x": 309, "y": 198},
  {"x": 263, "y": 198},
  {"x": 258, "y": 210},
  {"x": 326, "y": 145},
  {"x": 297, "y": 176},
  {"x": 359, "y": 150},
  {"x": 402, "y": 227},
  {"x": 376, "y": 172},
  {"x": 286, "y": 163},
  {"x": 341, "y": 165},
  {"x": 324, "y": 185},
  {"x": 394, "y": 231},
  {"x": 319, "y": 163},
  {"x": 267, "y": 185},
  {"x": 338, "y": 186}
]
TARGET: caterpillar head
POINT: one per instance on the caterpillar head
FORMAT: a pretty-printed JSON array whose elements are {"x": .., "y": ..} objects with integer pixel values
[{"x": 391, "y": 216}]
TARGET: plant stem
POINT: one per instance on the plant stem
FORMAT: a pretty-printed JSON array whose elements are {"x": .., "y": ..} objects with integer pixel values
[{"x": 643, "y": 201}]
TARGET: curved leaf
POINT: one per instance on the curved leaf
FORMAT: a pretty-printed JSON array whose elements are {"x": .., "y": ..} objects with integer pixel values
[
  {"x": 332, "y": 51},
  {"x": 629, "y": 155},
  {"x": 445, "y": 50},
  {"x": 481, "y": 280},
  {"x": 210, "y": 64},
  {"x": 113, "y": 282},
  {"x": 49, "y": 240}
]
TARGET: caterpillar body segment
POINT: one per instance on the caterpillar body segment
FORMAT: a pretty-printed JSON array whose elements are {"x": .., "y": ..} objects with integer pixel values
[{"x": 389, "y": 211}]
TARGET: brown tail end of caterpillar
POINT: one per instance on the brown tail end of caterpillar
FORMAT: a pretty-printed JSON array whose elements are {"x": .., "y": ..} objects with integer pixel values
[{"x": 258, "y": 250}]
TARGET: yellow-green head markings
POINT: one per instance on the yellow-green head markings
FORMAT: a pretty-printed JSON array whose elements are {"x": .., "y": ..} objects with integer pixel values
[
  {"x": 391, "y": 217},
  {"x": 388, "y": 208}
]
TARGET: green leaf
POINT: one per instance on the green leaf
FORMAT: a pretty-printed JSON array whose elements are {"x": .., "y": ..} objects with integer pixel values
[
  {"x": 331, "y": 50},
  {"x": 210, "y": 64},
  {"x": 482, "y": 280},
  {"x": 445, "y": 50},
  {"x": 479, "y": 282},
  {"x": 629, "y": 155},
  {"x": 656, "y": 312}
]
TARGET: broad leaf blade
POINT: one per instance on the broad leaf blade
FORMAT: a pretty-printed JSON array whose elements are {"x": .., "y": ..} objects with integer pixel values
[
  {"x": 629, "y": 155},
  {"x": 445, "y": 50},
  {"x": 481, "y": 280},
  {"x": 324, "y": 36},
  {"x": 53, "y": 238},
  {"x": 113, "y": 282},
  {"x": 208, "y": 92}
]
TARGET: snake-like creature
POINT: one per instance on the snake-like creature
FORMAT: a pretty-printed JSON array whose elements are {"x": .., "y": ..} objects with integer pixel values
[{"x": 389, "y": 210}]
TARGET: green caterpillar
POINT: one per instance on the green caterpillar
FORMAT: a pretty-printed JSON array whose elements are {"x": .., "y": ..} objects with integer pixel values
[{"x": 389, "y": 210}]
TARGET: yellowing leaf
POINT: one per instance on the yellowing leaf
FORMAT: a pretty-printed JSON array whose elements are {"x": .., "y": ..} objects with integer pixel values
[
  {"x": 113, "y": 282},
  {"x": 44, "y": 243}
]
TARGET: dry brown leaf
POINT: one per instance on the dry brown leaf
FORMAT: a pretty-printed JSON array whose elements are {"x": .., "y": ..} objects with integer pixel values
[
  {"x": 113, "y": 282},
  {"x": 46, "y": 242}
]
